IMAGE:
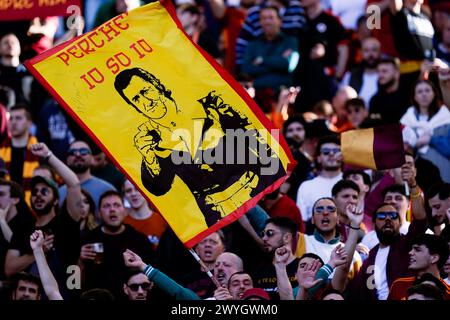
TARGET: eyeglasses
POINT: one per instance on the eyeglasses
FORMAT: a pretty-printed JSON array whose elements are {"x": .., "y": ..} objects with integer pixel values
[
  {"x": 327, "y": 151},
  {"x": 80, "y": 151},
  {"x": 383, "y": 215},
  {"x": 269, "y": 233},
  {"x": 135, "y": 286},
  {"x": 321, "y": 209},
  {"x": 43, "y": 191}
]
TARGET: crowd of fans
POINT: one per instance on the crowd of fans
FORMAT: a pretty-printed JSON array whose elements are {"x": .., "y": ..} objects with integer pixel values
[{"x": 73, "y": 227}]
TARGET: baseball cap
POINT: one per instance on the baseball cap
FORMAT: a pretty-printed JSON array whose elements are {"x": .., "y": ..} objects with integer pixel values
[
  {"x": 40, "y": 179},
  {"x": 255, "y": 293}
]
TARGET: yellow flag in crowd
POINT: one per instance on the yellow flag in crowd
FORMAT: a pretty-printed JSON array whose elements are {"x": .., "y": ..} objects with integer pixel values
[{"x": 170, "y": 117}]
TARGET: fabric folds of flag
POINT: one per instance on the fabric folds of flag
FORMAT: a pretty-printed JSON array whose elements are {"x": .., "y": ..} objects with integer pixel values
[
  {"x": 178, "y": 126},
  {"x": 378, "y": 148}
]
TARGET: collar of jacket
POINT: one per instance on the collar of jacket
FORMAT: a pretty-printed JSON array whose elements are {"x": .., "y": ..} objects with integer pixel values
[{"x": 321, "y": 239}]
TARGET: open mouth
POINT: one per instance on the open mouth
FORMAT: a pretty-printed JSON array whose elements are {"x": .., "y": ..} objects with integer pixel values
[
  {"x": 208, "y": 253},
  {"x": 325, "y": 222},
  {"x": 220, "y": 276}
]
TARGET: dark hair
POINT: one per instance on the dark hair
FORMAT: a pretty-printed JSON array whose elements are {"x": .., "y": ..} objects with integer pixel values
[
  {"x": 236, "y": 273},
  {"x": 131, "y": 273},
  {"x": 320, "y": 199},
  {"x": 312, "y": 256},
  {"x": 428, "y": 277},
  {"x": 328, "y": 291},
  {"x": 441, "y": 189},
  {"x": 355, "y": 102},
  {"x": 49, "y": 169},
  {"x": 22, "y": 106},
  {"x": 395, "y": 188},
  {"x": 284, "y": 223},
  {"x": 15, "y": 190},
  {"x": 97, "y": 294},
  {"x": 108, "y": 194},
  {"x": 293, "y": 119},
  {"x": 90, "y": 200},
  {"x": 427, "y": 290},
  {"x": 82, "y": 141},
  {"x": 366, "y": 178},
  {"x": 435, "y": 244},
  {"x": 24, "y": 276},
  {"x": 434, "y": 106},
  {"x": 391, "y": 60},
  {"x": 342, "y": 185},
  {"x": 123, "y": 79},
  {"x": 268, "y": 6},
  {"x": 328, "y": 139}
]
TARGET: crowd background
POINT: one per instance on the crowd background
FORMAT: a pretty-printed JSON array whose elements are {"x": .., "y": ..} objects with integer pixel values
[{"x": 72, "y": 227}]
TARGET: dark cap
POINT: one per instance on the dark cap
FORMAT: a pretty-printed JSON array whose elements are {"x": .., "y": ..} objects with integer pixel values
[
  {"x": 257, "y": 293},
  {"x": 40, "y": 179}
]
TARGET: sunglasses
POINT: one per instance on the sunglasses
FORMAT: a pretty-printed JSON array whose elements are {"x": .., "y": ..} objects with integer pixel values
[
  {"x": 321, "y": 209},
  {"x": 135, "y": 286},
  {"x": 43, "y": 191},
  {"x": 80, "y": 151},
  {"x": 268, "y": 233},
  {"x": 383, "y": 215},
  {"x": 327, "y": 151}
]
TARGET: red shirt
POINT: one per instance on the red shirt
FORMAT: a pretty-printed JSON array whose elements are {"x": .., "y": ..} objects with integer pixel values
[
  {"x": 286, "y": 207},
  {"x": 399, "y": 289}
]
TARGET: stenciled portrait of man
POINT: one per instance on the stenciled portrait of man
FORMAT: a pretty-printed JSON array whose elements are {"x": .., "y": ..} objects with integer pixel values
[{"x": 214, "y": 149}]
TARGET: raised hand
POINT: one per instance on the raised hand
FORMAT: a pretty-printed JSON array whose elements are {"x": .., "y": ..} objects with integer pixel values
[
  {"x": 4, "y": 212},
  {"x": 338, "y": 256},
  {"x": 306, "y": 275},
  {"x": 48, "y": 242},
  {"x": 355, "y": 216},
  {"x": 37, "y": 240},
  {"x": 146, "y": 144},
  {"x": 87, "y": 252},
  {"x": 40, "y": 149},
  {"x": 132, "y": 260},
  {"x": 222, "y": 294},
  {"x": 282, "y": 255},
  {"x": 408, "y": 174}
]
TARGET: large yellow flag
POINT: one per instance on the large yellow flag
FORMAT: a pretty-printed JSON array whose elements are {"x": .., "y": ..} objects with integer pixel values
[{"x": 182, "y": 130}]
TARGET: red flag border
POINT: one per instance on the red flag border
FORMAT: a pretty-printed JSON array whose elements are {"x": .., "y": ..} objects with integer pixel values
[{"x": 29, "y": 64}]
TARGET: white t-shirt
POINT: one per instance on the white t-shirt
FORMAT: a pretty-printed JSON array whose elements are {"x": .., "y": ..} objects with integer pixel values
[
  {"x": 369, "y": 86},
  {"x": 381, "y": 283},
  {"x": 348, "y": 11},
  {"x": 311, "y": 190},
  {"x": 371, "y": 240}
]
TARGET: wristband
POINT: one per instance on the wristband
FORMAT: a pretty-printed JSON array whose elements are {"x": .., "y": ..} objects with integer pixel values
[
  {"x": 47, "y": 157},
  {"x": 350, "y": 226}
]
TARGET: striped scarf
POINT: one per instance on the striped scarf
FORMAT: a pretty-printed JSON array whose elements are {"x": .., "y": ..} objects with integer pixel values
[{"x": 30, "y": 163}]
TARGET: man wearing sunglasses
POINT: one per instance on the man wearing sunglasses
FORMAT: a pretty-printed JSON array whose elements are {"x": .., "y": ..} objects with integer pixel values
[
  {"x": 79, "y": 159},
  {"x": 137, "y": 286},
  {"x": 329, "y": 161},
  {"x": 389, "y": 259},
  {"x": 278, "y": 232},
  {"x": 61, "y": 230},
  {"x": 394, "y": 195},
  {"x": 326, "y": 236}
]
